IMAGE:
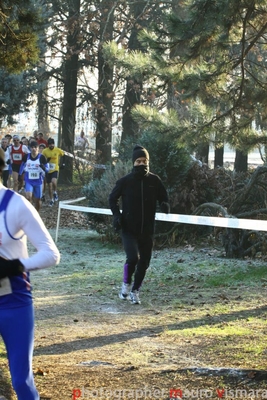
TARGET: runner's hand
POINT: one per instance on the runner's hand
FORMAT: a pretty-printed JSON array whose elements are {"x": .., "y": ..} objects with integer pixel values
[{"x": 117, "y": 220}]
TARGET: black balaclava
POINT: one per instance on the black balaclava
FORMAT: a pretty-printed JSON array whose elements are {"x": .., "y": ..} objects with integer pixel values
[{"x": 140, "y": 170}]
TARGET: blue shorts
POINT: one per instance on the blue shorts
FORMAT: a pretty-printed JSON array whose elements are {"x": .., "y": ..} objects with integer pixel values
[{"x": 36, "y": 190}]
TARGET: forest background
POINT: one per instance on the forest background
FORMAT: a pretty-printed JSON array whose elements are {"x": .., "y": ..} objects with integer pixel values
[
  {"x": 192, "y": 71},
  {"x": 175, "y": 76}
]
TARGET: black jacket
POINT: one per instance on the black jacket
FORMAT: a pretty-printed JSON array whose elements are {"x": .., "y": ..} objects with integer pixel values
[{"x": 139, "y": 200}]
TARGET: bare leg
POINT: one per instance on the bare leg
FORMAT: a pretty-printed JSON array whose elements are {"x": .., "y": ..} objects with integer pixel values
[
  {"x": 50, "y": 191},
  {"x": 37, "y": 203},
  {"x": 28, "y": 196},
  {"x": 54, "y": 184}
]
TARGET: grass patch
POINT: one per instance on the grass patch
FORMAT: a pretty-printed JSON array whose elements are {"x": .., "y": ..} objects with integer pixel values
[
  {"x": 2, "y": 350},
  {"x": 197, "y": 310},
  {"x": 207, "y": 330},
  {"x": 213, "y": 275},
  {"x": 226, "y": 277}
]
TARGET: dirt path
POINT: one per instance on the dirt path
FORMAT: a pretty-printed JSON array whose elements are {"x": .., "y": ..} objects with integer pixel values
[
  {"x": 199, "y": 315},
  {"x": 90, "y": 344}
]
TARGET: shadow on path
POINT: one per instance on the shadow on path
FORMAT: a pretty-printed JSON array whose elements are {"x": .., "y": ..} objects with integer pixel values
[{"x": 105, "y": 340}]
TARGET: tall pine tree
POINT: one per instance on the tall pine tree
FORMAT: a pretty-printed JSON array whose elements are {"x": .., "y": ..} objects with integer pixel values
[{"x": 217, "y": 72}]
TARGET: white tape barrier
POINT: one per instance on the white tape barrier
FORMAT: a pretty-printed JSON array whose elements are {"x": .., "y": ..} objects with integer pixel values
[
  {"x": 100, "y": 166},
  {"x": 250, "y": 224}
]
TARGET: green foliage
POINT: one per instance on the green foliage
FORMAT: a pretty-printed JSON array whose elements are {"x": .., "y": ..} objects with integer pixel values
[
  {"x": 82, "y": 172},
  {"x": 98, "y": 190},
  {"x": 17, "y": 92},
  {"x": 139, "y": 63},
  {"x": 200, "y": 185},
  {"x": 208, "y": 62},
  {"x": 160, "y": 122},
  {"x": 167, "y": 159},
  {"x": 18, "y": 34},
  {"x": 21, "y": 50},
  {"x": 187, "y": 182}
]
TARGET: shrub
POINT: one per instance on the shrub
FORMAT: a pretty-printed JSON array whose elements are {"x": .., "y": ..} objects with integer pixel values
[
  {"x": 167, "y": 159},
  {"x": 97, "y": 192},
  {"x": 187, "y": 182},
  {"x": 82, "y": 171}
]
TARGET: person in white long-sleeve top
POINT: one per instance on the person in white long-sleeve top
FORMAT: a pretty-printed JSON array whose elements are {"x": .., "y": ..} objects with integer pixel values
[
  {"x": 20, "y": 221},
  {"x": 5, "y": 171}
]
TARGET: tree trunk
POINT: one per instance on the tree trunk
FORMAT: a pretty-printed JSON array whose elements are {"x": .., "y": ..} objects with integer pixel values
[
  {"x": 70, "y": 90},
  {"x": 132, "y": 97},
  {"x": 174, "y": 101},
  {"x": 105, "y": 90},
  {"x": 42, "y": 102},
  {"x": 241, "y": 161},
  {"x": 133, "y": 86},
  {"x": 218, "y": 157},
  {"x": 202, "y": 153}
]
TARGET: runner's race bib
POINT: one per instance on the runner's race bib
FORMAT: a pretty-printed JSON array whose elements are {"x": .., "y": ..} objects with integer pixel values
[
  {"x": 33, "y": 175},
  {"x": 17, "y": 156},
  {"x": 52, "y": 166}
]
